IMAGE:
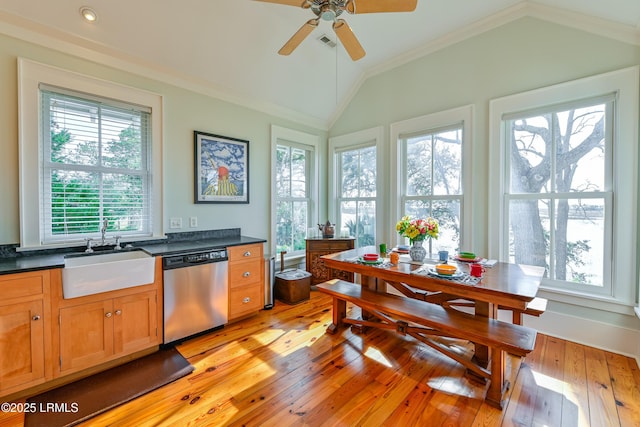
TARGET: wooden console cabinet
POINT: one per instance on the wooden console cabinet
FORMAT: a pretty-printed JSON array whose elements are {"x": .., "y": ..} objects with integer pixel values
[
  {"x": 318, "y": 247},
  {"x": 246, "y": 280}
]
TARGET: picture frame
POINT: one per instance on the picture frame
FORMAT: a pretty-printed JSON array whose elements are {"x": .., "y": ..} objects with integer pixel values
[{"x": 221, "y": 169}]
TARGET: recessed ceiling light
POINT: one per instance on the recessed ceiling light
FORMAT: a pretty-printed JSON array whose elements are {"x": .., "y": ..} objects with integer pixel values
[{"x": 88, "y": 14}]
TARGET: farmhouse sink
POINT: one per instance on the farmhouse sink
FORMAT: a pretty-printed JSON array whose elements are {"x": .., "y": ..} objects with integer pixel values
[{"x": 93, "y": 274}]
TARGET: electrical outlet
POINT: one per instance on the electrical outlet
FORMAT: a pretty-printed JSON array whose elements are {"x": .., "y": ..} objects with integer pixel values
[
  {"x": 175, "y": 223},
  {"x": 193, "y": 221}
]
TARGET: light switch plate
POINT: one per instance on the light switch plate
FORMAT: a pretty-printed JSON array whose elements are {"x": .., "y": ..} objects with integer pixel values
[{"x": 175, "y": 223}]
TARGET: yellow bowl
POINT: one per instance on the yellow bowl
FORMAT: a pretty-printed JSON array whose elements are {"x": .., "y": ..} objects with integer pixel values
[{"x": 446, "y": 269}]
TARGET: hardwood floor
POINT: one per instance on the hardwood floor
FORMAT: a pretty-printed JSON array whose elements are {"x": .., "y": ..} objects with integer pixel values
[{"x": 280, "y": 368}]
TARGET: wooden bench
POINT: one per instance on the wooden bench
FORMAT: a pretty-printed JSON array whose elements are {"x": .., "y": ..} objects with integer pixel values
[
  {"x": 536, "y": 307},
  {"x": 423, "y": 320}
]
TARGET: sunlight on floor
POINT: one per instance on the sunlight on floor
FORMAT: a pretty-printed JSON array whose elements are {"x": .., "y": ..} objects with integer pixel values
[
  {"x": 548, "y": 382},
  {"x": 375, "y": 354},
  {"x": 567, "y": 390}
]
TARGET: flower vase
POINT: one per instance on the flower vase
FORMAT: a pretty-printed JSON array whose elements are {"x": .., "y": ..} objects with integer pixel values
[{"x": 417, "y": 252}]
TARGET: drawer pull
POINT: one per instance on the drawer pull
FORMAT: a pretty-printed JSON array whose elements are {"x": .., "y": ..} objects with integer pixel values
[
  {"x": 36, "y": 317},
  {"x": 108, "y": 314},
  {"x": 246, "y": 300},
  {"x": 246, "y": 274},
  {"x": 248, "y": 253},
  {"x": 118, "y": 312}
]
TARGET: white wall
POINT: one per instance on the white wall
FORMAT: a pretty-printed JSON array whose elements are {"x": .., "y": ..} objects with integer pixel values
[
  {"x": 184, "y": 112},
  {"x": 519, "y": 56}
]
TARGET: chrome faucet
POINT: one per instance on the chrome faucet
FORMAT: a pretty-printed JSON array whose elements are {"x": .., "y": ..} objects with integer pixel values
[
  {"x": 89, "y": 248},
  {"x": 105, "y": 225}
]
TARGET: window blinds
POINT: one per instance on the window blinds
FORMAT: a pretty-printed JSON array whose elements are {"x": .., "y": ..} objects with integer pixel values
[{"x": 95, "y": 166}]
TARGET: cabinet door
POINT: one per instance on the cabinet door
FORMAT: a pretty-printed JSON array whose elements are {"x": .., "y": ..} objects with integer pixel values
[
  {"x": 315, "y": 265},
  {"x": 245, "y": 300},
  {"x": 21, "y": 343},
  {"x": 245, "y": 273},
  {"x": 135, "y": 323},
  {"x": 86, "y": 335},
  {"x": 246, "y": 280}
]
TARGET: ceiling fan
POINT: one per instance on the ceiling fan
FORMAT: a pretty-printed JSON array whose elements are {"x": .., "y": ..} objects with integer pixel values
[{"x": 329, "y": 10}]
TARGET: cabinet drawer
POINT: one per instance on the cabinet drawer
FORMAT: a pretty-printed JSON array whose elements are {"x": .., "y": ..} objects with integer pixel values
[
  {"x": 244, "y": 273},
  {"x": 333, "y": 245},
  {"x": 21, "y": 285},
  {"x": 244, "y": 300},
  {"x": 245, "y": 252}
]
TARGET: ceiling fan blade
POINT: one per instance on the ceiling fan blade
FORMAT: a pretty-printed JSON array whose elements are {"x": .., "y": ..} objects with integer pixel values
[
  {"x": 297, "y": 3},
  {"x": 378, "y": 6},
  {"x": 298, "y": 37},
  {"x": 348, "y": 39}
]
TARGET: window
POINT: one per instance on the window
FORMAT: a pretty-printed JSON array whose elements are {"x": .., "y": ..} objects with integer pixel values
[
  {"x": 354, "y": 181},
  {"x": 432, "y": 151},
  {"x": 295, "y": 188},
  {"x": 95, "y": 167},
  {"x": 564, "y": 187},
  {"x": 432, "y": 180},
  {"x": 90, "y": 150},
  {"x": 559, "y": 199},
  {"x": 357, "y": 196}
]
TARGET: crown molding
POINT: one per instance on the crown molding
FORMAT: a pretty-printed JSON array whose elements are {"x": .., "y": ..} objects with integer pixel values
[
  {"x": 29, "y": 31},
  {"x": 602, "y": 27},
  {"x": 23, "y": 29},
  {"x": 620, "y": 32},
  {"x": 614, "y": 30}
]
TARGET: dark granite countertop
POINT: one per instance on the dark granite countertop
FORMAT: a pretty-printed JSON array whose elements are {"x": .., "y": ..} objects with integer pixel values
[
  {"x": 186, "y": 242},
  {"x": 170, "y": 248},
  {"x": 31, "y": 263}
]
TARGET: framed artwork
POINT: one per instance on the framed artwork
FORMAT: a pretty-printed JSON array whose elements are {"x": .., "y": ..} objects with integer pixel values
[{"x": 221, "y": 169}]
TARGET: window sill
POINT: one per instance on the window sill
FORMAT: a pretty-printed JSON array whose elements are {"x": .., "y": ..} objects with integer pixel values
[{"x": 590, "y": 301}]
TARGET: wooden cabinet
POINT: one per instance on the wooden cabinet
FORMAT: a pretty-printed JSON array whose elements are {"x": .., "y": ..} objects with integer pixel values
[
  {"x": 25, "y": 330},
  {"x": 314, "y": 264},
  {"x": 93, "y": 332},
  {"x": 246, "y": 280},
  {"x": 95, "y": 329}
]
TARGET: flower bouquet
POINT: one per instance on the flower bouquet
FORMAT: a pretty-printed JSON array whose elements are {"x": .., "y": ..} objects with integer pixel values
[{"x": 417, "y": 230}]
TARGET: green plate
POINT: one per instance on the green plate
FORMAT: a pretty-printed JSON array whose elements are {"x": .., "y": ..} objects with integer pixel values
[{"x": 378, "y": 261}]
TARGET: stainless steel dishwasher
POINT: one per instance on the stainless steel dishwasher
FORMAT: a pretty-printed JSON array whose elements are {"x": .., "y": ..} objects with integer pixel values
[{"x": 195, "y": 293}]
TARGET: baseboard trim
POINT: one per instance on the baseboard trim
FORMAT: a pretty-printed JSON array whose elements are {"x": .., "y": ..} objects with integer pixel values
[{"x": 596, "y": 334}]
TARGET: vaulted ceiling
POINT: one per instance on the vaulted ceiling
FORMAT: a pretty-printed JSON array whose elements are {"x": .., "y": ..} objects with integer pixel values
[{"x": 228, "y": 48}]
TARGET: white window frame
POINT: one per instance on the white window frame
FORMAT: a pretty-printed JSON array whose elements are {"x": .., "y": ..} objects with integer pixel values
[
  {"x": 427, "y": 124},
  {"x": 625, "y": 84},
  {"x": 294, "y": 138},
  {"x": 30, "y": 75},
  {"x": 338, "y": 144}
]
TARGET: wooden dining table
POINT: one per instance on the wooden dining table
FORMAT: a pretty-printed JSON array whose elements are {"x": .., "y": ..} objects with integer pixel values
[{"x": 504, "y": 285}]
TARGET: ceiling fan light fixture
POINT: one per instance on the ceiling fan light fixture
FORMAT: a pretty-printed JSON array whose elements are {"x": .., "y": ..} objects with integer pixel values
[
  {"x": 330, "y": 10},
  {"x": 88, "y": 14},
  {"x": 328, "y": 15}
]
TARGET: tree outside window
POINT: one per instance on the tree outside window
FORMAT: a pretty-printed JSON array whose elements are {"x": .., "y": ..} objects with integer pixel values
[
  {"x": 357, "y": 199},
  {"x": 558, "y": 197},
  {"x": 433, "y": 182},
  {"x": 292, "y": 198},
  {"x": 95, "y": 168}
]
